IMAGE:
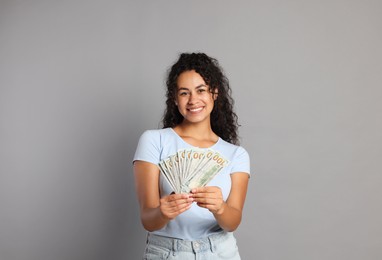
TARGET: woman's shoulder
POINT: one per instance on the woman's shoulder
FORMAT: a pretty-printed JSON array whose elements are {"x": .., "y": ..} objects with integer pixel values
[
  {"x": 155, "y": 134},
  {"x": 231, "y": 146},
  {"x": 156, "y": 131}
]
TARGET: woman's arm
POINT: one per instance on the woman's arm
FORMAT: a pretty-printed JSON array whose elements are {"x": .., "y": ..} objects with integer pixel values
[
  {"x": 156, "y": 212},
  {"x": 227, "y": 213}
]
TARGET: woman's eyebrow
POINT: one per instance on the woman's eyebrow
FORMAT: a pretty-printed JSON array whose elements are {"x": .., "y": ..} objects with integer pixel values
[{"x": 199, "y": 86}]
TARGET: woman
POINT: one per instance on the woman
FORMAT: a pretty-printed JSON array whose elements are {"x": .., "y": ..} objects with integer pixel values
[{"x": 199, "y": 114}]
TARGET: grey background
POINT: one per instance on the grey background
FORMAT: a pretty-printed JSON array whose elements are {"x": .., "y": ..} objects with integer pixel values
[{"x": 81, "y": 80}]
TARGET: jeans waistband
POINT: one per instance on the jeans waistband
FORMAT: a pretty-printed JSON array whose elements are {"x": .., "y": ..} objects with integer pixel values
[{"x": 200, "y": 245}]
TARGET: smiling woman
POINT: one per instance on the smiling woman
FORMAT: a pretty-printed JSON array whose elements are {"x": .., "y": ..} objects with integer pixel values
[
  {"x": 199, "y": 119},
  {"x": 195, "y": 100},
  {"x": 223, "y": 119}
]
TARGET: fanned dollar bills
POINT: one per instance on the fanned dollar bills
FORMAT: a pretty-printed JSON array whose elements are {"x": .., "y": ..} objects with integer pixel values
[{"x": 191, "y": 168}]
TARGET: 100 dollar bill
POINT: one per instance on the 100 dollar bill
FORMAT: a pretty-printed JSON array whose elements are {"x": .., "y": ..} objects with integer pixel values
[{"x": 191, "y": 168}]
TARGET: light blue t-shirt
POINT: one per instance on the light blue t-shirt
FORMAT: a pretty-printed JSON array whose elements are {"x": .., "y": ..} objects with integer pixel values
[{"x": 197, "y": 222}]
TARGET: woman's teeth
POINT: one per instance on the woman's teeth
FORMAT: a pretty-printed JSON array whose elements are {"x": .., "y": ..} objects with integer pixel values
[{"x": 196, "y": 109}]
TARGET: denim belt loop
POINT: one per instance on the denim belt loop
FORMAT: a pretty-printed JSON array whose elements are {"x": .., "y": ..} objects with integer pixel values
[
  {"x": 174, "y": 246},
  {"x": 147, "y": 237},
  {"x": 212, "y": 245}
]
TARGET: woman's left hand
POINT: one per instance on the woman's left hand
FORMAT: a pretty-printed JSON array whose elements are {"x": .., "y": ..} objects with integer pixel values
[{"x": 209, "y": 197}]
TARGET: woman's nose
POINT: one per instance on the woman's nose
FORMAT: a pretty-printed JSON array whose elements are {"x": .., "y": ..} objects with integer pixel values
[{"x": 192, "y": 98}]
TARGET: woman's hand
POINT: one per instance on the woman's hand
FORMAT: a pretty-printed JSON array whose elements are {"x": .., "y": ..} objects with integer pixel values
[
  {"x": 174, "y": 204},
  {"x": 156, "y": 212},
  {"x": 209, "y": 197},
  {"x": 227, "y": 213}
]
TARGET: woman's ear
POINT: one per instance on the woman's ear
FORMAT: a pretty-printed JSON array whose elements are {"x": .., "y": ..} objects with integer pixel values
[{"x": 215, "y": 93}]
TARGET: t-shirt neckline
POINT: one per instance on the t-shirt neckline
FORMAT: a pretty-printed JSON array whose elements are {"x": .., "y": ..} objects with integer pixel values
[{"x": 178, "y": 136}]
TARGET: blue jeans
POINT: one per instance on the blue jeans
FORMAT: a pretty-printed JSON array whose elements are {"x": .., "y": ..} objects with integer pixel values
[{"x": 217, "y": 246}]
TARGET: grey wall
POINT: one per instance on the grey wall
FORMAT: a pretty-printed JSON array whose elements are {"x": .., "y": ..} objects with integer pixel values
[{"x": 81, "y": 80}]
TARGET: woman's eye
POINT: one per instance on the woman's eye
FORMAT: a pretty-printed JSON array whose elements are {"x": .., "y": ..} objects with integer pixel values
[
  {"x": 201, "y": 90},
  {"x": 183, "y": 93}
]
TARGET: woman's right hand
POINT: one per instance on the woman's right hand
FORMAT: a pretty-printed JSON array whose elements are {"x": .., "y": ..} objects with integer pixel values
[
  {"x": 174, "y": 204},
  {"x": 156, "y": 211}
]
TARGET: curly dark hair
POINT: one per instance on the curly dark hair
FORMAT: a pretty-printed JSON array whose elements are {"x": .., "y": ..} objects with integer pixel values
[{"x": 223, "y": 119}]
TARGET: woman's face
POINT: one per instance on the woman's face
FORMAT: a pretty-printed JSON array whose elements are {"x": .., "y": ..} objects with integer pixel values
[{"x": 194, "y": 99}]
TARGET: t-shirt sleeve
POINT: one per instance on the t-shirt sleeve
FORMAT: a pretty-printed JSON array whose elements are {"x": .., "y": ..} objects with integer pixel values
[
  {"x": 148, "y": 148},
  {"x": 241, "y": 162}
]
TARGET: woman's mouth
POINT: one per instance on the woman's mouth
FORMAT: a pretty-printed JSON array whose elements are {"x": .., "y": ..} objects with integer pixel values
[{"x": 196, "y": 109}]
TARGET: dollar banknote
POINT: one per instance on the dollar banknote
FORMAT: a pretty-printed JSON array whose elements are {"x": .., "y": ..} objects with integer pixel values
[{"x": 191, "y": 168}]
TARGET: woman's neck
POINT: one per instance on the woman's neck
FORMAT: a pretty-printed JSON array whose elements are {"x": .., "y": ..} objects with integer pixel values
[{"x": 200, "y": 135}]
